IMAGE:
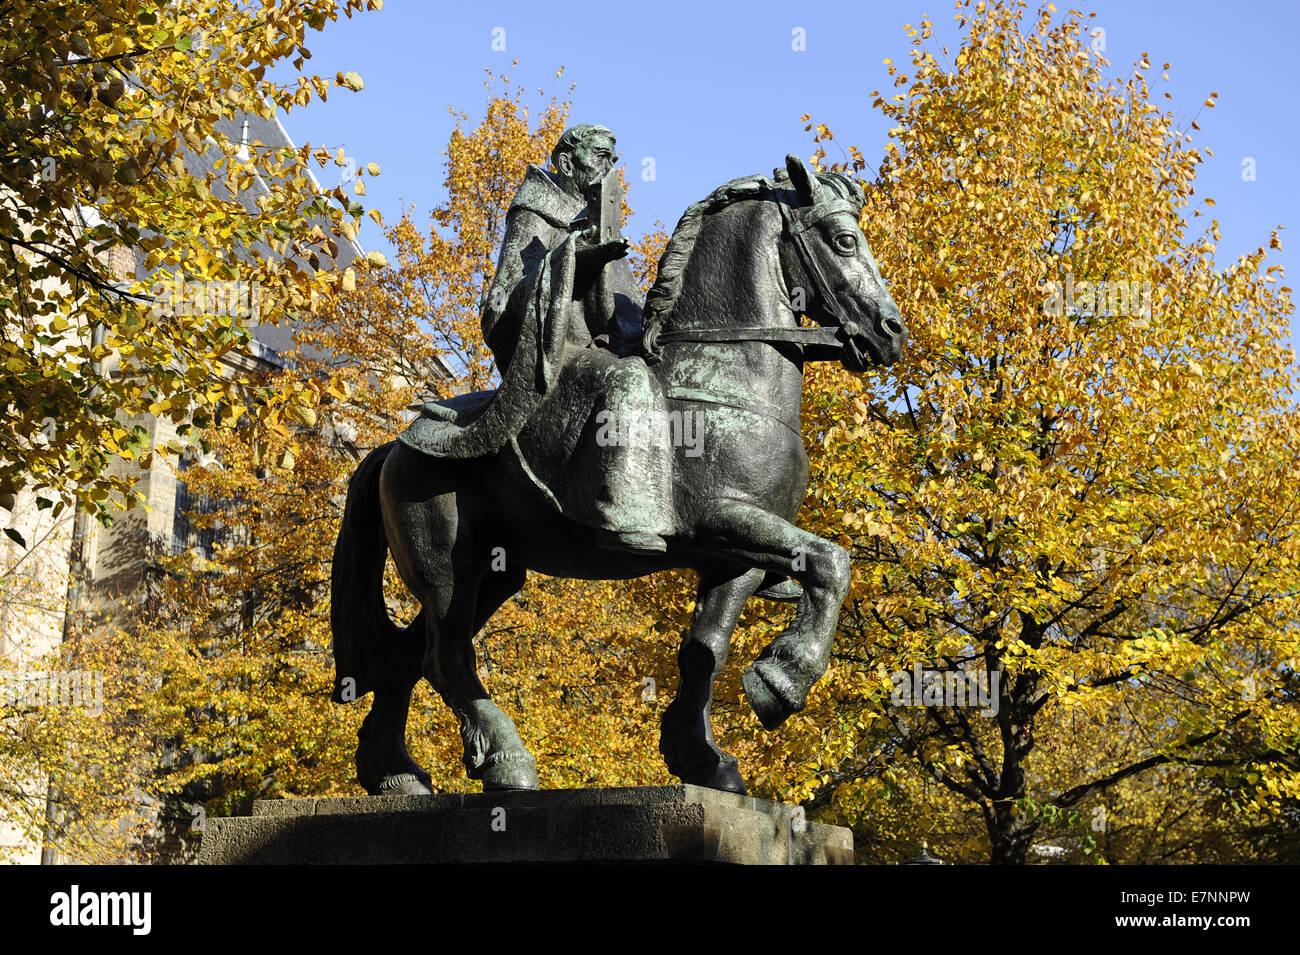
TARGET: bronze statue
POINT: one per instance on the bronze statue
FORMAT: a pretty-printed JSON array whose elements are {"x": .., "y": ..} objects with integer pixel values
[
  {"x": 632, "y": 506},
  {"x": 563, "y": 469}
]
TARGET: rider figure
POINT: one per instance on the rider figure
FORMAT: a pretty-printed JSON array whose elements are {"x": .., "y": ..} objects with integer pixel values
[{"x": 632, "y": 509}]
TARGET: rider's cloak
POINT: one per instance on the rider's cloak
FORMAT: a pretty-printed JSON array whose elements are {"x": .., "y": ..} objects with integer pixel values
[{"x": 529, "y": 316}]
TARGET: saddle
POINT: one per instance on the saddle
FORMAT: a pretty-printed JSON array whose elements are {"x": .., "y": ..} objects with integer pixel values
[{"x": 426, "y": 433}]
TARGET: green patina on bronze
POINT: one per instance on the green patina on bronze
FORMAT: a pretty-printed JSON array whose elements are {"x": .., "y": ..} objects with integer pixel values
[{"x": 531, "y": 471}]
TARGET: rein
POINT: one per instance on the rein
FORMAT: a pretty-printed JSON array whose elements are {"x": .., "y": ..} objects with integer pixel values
[
  {"x": 797, "y": 223},
  {"x": 799, "y": 336}
]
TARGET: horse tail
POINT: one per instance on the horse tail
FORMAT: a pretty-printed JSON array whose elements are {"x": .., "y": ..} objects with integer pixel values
[{"x": 367, "y": 644}]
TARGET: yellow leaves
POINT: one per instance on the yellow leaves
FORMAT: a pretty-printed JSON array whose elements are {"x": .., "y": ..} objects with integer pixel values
[
  {"x": 1036, "y": 435},
  {"x": 119, "y": 45},
  {"x": 348, "y": 281},
  {"x": 100, "y": 164},
  {"x": 339, "y": 388},
  {"x": 351, "y": 80}
]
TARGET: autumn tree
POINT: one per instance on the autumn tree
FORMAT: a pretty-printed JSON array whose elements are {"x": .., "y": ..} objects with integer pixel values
[
  {"x": 101, "y": 104},
  {"x": 1079, "y": 481},
  {"x": 112, "y": 112}
]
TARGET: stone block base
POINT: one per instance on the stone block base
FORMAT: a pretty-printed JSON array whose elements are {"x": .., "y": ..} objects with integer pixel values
[{"x": 686, "y": 824}]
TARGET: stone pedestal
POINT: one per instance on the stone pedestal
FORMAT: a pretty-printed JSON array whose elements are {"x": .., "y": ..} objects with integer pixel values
[{"x": 685, "y": 824}]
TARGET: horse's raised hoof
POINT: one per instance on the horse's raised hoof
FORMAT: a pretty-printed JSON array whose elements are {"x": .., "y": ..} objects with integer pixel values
[
  {"x": 404, "y": 784},
  {"x": 724, "y": 777},
  {"x": 509, "y": 775},
  {"x": 763, "y": 683}
]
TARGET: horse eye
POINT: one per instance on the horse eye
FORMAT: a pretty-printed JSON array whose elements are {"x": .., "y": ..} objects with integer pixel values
[{"x": 846, "y": 242}]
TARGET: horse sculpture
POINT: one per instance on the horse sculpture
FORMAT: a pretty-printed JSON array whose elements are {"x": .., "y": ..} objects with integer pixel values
[{"x": 723, "y": 336}]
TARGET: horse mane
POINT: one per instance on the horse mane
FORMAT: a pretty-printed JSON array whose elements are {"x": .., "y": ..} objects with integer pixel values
[{"x": 667, "y": 289}]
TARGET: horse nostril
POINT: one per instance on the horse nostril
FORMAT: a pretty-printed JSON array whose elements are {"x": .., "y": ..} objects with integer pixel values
[{"x": 894, "y": 327}]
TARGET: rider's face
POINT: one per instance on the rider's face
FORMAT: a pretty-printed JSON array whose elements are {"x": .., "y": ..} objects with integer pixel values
[{"x": 590, "y": 161}]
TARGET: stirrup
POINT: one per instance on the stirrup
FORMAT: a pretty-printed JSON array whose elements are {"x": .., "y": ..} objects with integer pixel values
[
  {"x": 638, "y": 542},
  {"x": 785, "y": 591}
]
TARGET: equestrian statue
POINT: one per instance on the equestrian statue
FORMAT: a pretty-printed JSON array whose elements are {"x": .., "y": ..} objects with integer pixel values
[{"x": 579, "y": 464}]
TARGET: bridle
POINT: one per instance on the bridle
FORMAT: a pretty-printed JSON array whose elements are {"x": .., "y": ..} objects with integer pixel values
[{"x": 797, "y": 222}]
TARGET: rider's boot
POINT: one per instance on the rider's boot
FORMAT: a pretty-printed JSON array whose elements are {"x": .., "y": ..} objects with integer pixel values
[
  {"x": 633, "y": 507},
  {"x": 634, "y": 499}
]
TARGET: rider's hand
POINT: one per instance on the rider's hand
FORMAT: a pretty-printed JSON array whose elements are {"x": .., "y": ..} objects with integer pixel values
[{"x": 592, "y": 256}]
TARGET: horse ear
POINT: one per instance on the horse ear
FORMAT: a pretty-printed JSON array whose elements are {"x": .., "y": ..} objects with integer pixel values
[{"x": 804, "y": 183}]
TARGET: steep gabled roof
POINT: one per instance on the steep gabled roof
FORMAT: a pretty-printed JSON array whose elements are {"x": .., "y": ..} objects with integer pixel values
[{"x": 258, "y": 132}]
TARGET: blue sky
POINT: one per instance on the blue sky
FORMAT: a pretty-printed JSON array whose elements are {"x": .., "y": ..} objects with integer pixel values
[{"x": 713, "y": 91}]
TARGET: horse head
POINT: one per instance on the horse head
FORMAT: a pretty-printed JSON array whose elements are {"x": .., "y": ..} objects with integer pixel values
[{"x": 829, "y": 267}]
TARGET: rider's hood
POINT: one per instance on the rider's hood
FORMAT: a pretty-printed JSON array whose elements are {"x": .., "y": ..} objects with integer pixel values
[{"x": 542, "y": 194}]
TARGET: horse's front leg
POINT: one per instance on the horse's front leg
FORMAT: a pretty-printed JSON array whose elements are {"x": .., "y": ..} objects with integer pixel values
[
  {"x": 777, "y": 684},
  {"x": 686, "y": 739}
]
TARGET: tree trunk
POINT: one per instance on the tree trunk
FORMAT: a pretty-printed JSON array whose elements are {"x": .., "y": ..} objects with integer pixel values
[{"x": 1010, "y": 835}]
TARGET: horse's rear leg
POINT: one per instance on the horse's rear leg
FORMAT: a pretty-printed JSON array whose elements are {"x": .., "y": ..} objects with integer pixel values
[
  {"x": 777, "y": 684},
  {"x": 431, "y": 519},
  {"x": 384, "y": 767},
  {"x": 686, "y": 740},
  {"x": 494, "y": 752}
]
